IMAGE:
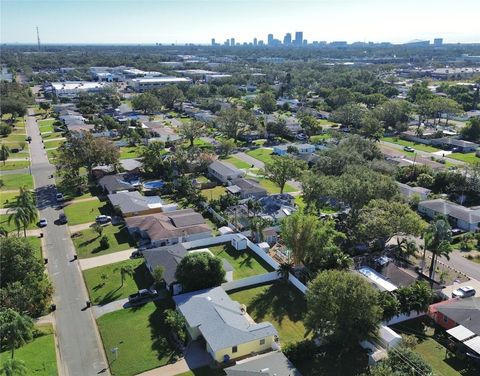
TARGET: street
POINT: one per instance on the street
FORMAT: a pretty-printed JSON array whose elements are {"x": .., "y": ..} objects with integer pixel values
[{"x": 80, "y": 347}]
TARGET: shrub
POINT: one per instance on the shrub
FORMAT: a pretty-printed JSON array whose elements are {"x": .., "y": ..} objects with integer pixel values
[
  {"x": 104, "y": 242},
  {"x": 5, "y": 129},
  {"x": 300, "y": 351},
  {"x": 176, "y": 322}
]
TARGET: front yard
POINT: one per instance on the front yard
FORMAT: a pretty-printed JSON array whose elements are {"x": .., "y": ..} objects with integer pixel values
[
  {"x": 10, "y": 227},
  {"x": 465, "y": 157},
  {"x": 262, "y": 154},
  {"x": 39, "y": 354},
  {"x": 238, "y": 163},
  {"x": 14, "y": 165},
  {"x": 87, "y": 242},
  {"x": 140, "y": 336},
  {"x": 280, "y": 304},
  {"x": 15, "y": 181},
  {"x": 431, "y": 340},
  {"x": 104, "y": 283},
  {"x": 85, "y": 211},
  {"x": 422, "y": 147},
  {"x": 245, "y": 263}
]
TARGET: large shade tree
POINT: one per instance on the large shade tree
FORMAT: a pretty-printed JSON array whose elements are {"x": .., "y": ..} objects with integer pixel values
[
  {"x": 284, "y": 168},
  {"x": 200, "y": 270}
]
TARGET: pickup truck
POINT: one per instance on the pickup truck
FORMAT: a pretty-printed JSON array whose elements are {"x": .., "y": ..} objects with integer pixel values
[{"x": 142, "y": 296}]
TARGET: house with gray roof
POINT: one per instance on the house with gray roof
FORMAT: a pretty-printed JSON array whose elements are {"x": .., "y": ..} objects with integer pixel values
[
  {"x": 229, "y": 332},
  {"x": 467, "y": 219},
  {"x": 409, "y": 192},
  {"x": 246, "y": 188},
  {"x": 134, "y": 203},
  {"x": 169, "y": 257},
  {"x": 224, "y": 171},
  {"x": 118, "y": 183},
  {"x": 274, "y": 363},
  {"x": 460, "y": 145}
]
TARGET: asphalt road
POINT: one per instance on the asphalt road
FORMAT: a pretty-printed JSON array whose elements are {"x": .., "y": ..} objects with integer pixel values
[{"x": 80, "y": 348}]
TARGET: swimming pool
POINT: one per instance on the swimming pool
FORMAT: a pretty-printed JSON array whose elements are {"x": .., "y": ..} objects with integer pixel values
[{"x": 154, "y": 184}]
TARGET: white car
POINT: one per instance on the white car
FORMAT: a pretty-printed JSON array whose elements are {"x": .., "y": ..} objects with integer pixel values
[
  {"x": 103, "y": 219},
  {"x": 463, "y": 292},
  {"x": 43, "y": 222}
]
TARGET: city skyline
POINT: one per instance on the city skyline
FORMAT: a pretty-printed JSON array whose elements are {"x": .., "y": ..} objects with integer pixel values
[{"x": 185, "y": 21}]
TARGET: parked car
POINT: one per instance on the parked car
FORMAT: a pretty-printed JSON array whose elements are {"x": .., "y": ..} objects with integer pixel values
[
  {"x": 43, "y": 222},
  {"x": 62, "y": 218},
  {"x": 409, "y": 149},
  {"x": 463, "y": 292},
  {"x": 29, "y": 139},
  {"x": 142, "y": 296},
  {"x": 103, "y": 218},
  {"x": 59, "y": 196},
  {"x": 136, "y": 254}
]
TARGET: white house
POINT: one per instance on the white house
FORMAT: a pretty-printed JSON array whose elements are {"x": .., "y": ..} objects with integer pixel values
[
  {"x": 224, "y": 171},
  {"x": 303, "y": 149},
  {"x": 467, "y": 219}
]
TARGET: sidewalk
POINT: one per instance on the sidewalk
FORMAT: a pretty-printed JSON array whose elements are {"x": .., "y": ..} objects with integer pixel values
[
  {"x": 111, "y": 258},
  {"x": 81, "y": 227},
  {"x": 100, "y": 310}
]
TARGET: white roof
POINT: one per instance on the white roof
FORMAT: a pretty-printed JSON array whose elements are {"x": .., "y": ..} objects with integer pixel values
[
  {"x": 473, "y": 344},
  {"x": 377, "y": 278},
  {"x": 77, "y": 85},
  {"x": 153, "y": 80},
  {"x": 388, "y": 335},
  {"x": 461, "y": 333}
]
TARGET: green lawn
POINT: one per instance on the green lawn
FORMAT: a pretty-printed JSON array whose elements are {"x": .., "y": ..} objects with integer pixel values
[
  {"x": 15, "y": 165},
  {"x": 431, "y": 347},
  {"x": 130, "y": 152},
  {"x": 53, "y": 144},
  {"x": 45, "y": 128},
  {"x": 280, "y": 304},
  {"x": 52, "y": 154},
  {"x": 262, "y": 154},
  {"x": 414, "y": 145},
  {"x": 238, "y": 163},
  {"x": 7, "y": 199},
  {"x": 49, "y": 135},
  {"x": 201, "y": 143},
  {"x": 465, "y": 157},
  {"x": 14, "y": 137},
  {"x": 85, "y": 211},
  {"x": 15, "y": 181},
  {"x": 36, "y": 243},
  {"x": 39, "y": 354},
  {"x": 110, "y": 289},
  {"x": 87, "y": 243},
  {"x": 271, "y": 187},
  {"x": 320, "y": 137},
  {"x": 140, "y": 336},
  {"x": 245, "y": 263},
  {"x": 213, "y": 193},
  {"x": 10, "y": 227},
  {"x": 44, "y": 122}
]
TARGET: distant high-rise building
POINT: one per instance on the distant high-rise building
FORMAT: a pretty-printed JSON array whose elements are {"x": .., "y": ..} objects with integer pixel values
[
  {"x": 270, "y": 39},
  {"x": 255, "y": 41},
  {"x": 261, "y": 43},
  {"x": 213, "y": 42},
  {"x": 438, "y": 42},
  {"x": 227, "y": 42},
  {"x": 287, "y": 39},
  {"x": 298, "y": 38},
  {"x": 232, "y": 42}
]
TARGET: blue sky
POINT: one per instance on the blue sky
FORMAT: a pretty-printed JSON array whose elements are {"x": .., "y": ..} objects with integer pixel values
[{"x": 197, "y": 21}]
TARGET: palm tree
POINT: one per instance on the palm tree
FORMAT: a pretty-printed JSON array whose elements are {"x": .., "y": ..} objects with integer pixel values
[
  {"x": 124, "y": 271},
  {"x": 24, "y": 212},
  {"x": 15, "y": 328},
  {"x": 257, "y": 225},
  {"x": 98, "y": 228},
  {"x": 4, "y": 153},
  {"x": 3, "y": 232},
  {"x": 13, "y": 367},
  {"x": 437, "y": 240},
  {"x": 284, "y": 270}
]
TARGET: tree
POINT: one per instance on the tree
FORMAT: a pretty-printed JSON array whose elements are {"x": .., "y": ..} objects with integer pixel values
[
  {"x": 13, "y": 106},
  {"x": 282, "y": 169},
  {"x": 4, "y": 152},
  {"x": 310, "y": 125},
  {"x": 177, "y": 323},
  {"x": 192, "y": 130},
  {"x": 266, "y": 102},
  {"x": 425, "y": 180},
  {"x": 157, "y": 274},
  {"x": 25, "y": 211},
  {"x": 146, "y": 102},
  {"x": 15, "y": 329},
  {"x": 407, "y": 363},
  {"x": 257, "y": 225},
  {"x": 350, "y": 115},
  {"x": 5, "y": 130},
  {"x": 98, "y": 228},
  {"x": 342, "y": 307},
  {"x": 284, "y": 270},
  {"x": 371, "y": 127},
  {"x": 13, "y": 367},
  {"x": 416, "y": 297},
  {"x": 394, "y": 114},
  {"x": 389, "y": 304},
  {"x": 381, "y": 369},
  {"x": 225, "y": 147},
  {"x": 380, "y": 220},
  {"x": 169, "y": 95},
  {"x": 125, "y": 270},
  {"x": 438, "y": 237},
  {"x": 25, "y": 286},
  {"x": 199, "y": 271},
  {"x": 153, "y": 158},
  {"x": 234, "y": 122},
  {"x": 471, "y": 131},
  {"x": 45, "y": 106}
]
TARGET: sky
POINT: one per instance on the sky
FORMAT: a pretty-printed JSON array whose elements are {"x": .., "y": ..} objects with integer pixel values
[{"x": 197, "y": 21}]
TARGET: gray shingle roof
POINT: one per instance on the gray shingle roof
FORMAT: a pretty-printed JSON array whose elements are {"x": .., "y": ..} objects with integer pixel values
[
  {"x": 271, "y": 364},
  {"x": 220, "y": 319},
  {"x": 408, "y": 191},
  {"x": 224, "y": 168},
  {"x": 453, "y": 210},
  {"x": 132, "y": 202},
  {"x": 114, "y": 183},
  {"x": 168, "y": 257},
  {"x": 248, "y": 186},
  {"x": 464, "y": 312}
]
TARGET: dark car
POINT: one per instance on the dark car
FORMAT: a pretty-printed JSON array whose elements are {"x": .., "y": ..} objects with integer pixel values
[
  {"x": 142, "y": 297},
  {"x": 62, "y": 219},
  {"x": 136, "y": 254},
  {"x": 28, "y": 139}
]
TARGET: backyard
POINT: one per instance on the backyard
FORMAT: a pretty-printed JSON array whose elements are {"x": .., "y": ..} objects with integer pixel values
[
  {"x": 104, "y": 282},
  {"x": 431, "y": 340},
  {"x": 137, "y": 331},
  {"x": 39, "y": 354},
  {"x": 87, "y": 242},
  {"x": 130, "y": 152},
  {"x": 245, "y": 263},
  {"x": 280, "y": 304},
  {"x": 213, "y": 193},
  {"x": 85, "y": 211}
]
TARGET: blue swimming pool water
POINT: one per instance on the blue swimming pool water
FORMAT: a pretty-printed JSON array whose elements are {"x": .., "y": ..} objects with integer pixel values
[{"x": 153, "y": 184}]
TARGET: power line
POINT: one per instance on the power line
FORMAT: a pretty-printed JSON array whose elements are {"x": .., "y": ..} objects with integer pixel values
[{"x": 38, "y": 38}]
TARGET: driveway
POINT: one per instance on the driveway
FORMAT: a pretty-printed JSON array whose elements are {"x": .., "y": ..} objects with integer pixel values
[
  {"x": 80, "y": 347},
  {"x": 100, "y": 310},
  {"x": 93, "y": 262}
]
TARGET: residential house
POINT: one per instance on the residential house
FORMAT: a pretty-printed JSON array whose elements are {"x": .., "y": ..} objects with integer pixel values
[
  {"x": 461, "y": 146},
  {"x": 134, "y": 203},
  {"x": 129, "y": 165},
  {"x": 246, "y": 188},
  {"x": 410, "y": 192},
  {"x": 303, "y": 149},
  {"x": 118, "y": 183},
  {"x": 160, "y": 132},
  {"x": 168, "y": 258},
  {"x": 450, "y": 313},
  {"x": 224, "y": 171},
  {"x": 161, "y": 229},
  {"x": 225, "y": 326},
  {"x": 274, "y": 363},
  {"x": 467, "y": 219}
]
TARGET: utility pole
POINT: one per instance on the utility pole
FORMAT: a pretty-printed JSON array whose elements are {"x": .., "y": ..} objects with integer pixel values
[{"x": 38, "y": 38}]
